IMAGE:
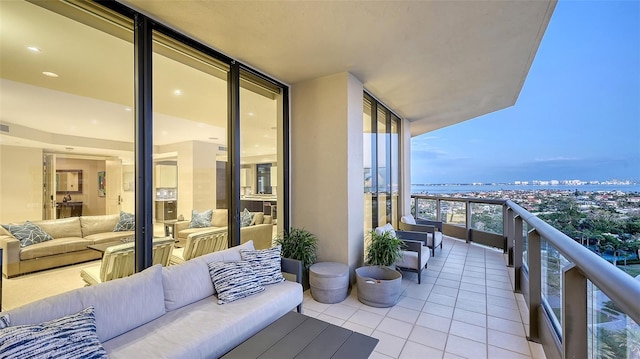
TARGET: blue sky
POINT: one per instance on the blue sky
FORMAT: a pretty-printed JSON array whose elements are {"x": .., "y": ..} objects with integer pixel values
[{"x": 577, "y": 116}]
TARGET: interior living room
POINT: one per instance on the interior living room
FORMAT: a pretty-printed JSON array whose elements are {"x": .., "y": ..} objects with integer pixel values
[{"x": 205, "y": 127}]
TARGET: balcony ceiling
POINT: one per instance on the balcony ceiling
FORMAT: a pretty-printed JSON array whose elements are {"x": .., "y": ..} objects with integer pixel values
[{"x": 435, "y": 63}]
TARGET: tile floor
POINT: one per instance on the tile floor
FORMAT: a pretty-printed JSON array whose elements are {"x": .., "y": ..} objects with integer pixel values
[{"x": 464, "y": 308}]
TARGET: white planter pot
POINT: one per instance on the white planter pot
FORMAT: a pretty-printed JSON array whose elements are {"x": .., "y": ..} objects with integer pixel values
[{"x": 378, "y": 286}]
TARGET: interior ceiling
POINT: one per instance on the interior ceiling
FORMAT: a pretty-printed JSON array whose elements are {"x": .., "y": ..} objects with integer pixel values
[
  {"x": 435, "y": 63},
  {"x": 89, "y": 107}
]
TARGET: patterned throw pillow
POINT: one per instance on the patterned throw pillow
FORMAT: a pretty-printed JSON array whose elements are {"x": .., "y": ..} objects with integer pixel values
[
  {"x": 265, "y": 263},
  {"x": 4, "y": 321},
  {"x": 201, "y": 220},
  {"x": 234, "y": 280},
  {"x": 127, "y": 222},
  {"x": 245, "y": 218},
  {"x": 27, "y": 233},
  {"x": 73, "y": 336}
]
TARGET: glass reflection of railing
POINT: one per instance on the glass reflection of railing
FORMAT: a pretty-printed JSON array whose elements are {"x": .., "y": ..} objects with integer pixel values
[{"x": 587, "y": 304}]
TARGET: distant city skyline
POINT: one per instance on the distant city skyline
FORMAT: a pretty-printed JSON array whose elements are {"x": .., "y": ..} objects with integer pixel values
[{"x": 577, "y": 117}]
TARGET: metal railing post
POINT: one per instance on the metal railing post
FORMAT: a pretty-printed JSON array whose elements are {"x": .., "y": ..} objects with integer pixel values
[
  {"x": 507, "y": 231},
  {"x": 468, "y": 219},
  {"x": 574, "y": 313},
  {"x": 535, "y": 285},
  {"x": 438, "y": 216},
  {"x": 518, "y": 249}
]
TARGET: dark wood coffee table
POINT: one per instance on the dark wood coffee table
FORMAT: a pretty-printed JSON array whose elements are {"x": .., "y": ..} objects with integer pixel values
[{"x": 298, "y": 336}]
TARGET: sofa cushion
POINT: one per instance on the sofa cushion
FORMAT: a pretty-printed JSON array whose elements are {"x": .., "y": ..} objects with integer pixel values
[
  {"x": 61, "y": 228},
  {"x": 258, "y": 218},
  {"x": 27, "y": 233},
  {"x": 220, "y": 218},
  {"x": 265, "y": 263},
  {"x": 228, "y": 255},
  {"x": 72, "y": 336},
  {"x": 185, "y": 283},
  {"x": 211, "y": 330},
  {"x": 234, "y": 280},
  {"x": 53, "y": 247},
  {"x": 127, "y": 222},
  {"x": 98, "y": 224},
  {"x": 109, "y": 236},
  {"x": 201, "y": 219},
  {"x": 120, "y": 305}
]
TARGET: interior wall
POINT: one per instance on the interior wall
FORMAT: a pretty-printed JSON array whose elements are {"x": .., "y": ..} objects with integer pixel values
[
  {"x": 326, "y": 165},
  {"x": 21, "y": 180},
  {"x": 92, "y": 204},
  {"x": 196, "y": 175}
]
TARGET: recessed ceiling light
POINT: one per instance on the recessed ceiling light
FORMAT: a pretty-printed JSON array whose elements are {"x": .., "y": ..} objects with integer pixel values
[
  {"x": 69, "y": 148},
  {"x": 177, "y": 92},
  {"x": 49, "y": 74},
  {"x": 274, "y": 128},
  {"x": 250, "y": 113},
  {"x": 94, "y": 121},
  {"x": 165, "y": 132},
  {"x": 213, "y": 138},
  {"x": 128, "y": 109},
  {"x": 33, "y": 49}
]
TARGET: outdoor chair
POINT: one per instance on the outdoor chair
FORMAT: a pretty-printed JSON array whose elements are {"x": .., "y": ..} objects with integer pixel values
[
  {"x": 118, "y": 261},
  {"x": 201, "y": 243},
  {"x": 415, "y": 254},
  {"x": 432, "y": 228}
]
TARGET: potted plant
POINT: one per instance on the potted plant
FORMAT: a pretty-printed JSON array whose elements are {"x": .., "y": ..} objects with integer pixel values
[
  {"x": 300, "y": 244},
  {"x": 379, "y": 283}
]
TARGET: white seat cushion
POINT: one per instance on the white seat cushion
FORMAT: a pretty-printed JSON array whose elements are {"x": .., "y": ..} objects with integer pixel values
[
  {"x": 177, "y": 256},
  {"x": 386, "y": 228},
  {"x": 91, "y": 275},
  {"x": 410, "y": 259},
  {"x": 438, "y": 239}
]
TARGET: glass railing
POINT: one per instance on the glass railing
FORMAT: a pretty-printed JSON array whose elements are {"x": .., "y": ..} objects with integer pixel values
[{"x": 580, "y": 305}]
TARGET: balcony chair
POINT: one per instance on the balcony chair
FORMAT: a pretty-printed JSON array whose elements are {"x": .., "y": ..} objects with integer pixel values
[
  {"x": 118, "y": 261},
  {"x": 415, "y": 254},
  {"x": 432, "y": 228},
  {"x": 201, "y": 243}
]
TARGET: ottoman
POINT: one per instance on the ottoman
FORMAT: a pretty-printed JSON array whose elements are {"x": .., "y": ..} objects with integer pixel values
[{"x": 329, "y": 282}]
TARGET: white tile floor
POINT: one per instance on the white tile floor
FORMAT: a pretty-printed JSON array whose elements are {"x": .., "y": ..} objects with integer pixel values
[{"x": 464, "y": 308}]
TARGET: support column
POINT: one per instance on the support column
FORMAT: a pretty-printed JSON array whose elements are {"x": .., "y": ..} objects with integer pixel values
[{"x": 327, "y": 195}]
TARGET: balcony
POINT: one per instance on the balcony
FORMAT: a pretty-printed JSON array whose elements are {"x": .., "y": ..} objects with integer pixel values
[{"x": 505, "y": 285}]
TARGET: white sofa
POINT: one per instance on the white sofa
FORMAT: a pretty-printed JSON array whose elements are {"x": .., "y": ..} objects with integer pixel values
[{"x": 169, "y": 312}]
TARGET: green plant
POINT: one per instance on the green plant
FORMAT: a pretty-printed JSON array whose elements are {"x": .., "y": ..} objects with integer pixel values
[
  {"x": 384, "y": 249},
  {"x": 300, "y": 244}
]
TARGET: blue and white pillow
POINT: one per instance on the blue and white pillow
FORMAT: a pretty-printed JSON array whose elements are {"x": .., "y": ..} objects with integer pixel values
[
  {"x": 73, "y": 336},
  {"x": 234, "y": 280},
  {"x": 27, "y": 233},
  {"x": 127, "y": 222},
  {"x": 201, "y": 220},
  {"x": 265, "y": 263},
  {"x": 245, "y": 218}
]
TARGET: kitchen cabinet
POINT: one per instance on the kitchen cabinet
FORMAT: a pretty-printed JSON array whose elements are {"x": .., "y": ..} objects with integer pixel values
[{"x": 166, "y": 176}]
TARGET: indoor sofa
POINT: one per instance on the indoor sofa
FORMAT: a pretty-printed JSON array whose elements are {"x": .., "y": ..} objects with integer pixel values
[
  {"x": 260, "y": 230},
  {"x": 71, "y": 236},
  {"x": 170, "y": 312}
]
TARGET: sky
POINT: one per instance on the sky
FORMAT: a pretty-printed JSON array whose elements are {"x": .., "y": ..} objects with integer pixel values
[{"x": 577, "y": 116}]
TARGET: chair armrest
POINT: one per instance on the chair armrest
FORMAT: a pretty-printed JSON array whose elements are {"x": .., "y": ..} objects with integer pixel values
[
  {"x": 292, "y": 266},
  {"x": 417, "y": 227},
  {"x": 437, "y": 224},
  {"x": 421, "y": 237},
  {"x": 414, "y": 246}
]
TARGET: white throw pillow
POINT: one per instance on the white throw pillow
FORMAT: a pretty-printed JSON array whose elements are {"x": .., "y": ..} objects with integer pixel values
[
  {"x": 386, "y": 228},
  {"x": 408, "y": 219}
]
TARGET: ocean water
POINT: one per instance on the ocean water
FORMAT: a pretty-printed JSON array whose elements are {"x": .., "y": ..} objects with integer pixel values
[{"x": 466, "y": 188}]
